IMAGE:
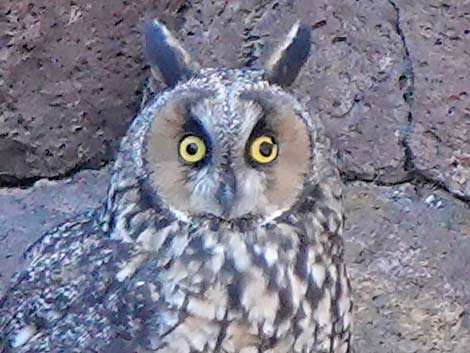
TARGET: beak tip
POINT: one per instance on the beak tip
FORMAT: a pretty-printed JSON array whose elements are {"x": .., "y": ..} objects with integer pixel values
[
  {"x": 226, "y": 194},
  {"x": 226, "y": 200},
  {"x": 227, "y": 204}
]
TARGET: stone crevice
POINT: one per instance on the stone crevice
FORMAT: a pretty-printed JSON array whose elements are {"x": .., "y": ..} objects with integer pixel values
[
  {"x": 418, "y": 180},
  {"x": 13, "y": 182},
  {"x": 408, "y": 83}
]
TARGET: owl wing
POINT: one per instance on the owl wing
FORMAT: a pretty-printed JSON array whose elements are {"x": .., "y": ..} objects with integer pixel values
[{"x": 68, "y": 298}]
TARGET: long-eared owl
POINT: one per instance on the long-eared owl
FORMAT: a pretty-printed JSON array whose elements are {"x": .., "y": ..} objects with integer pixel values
[{"x": 221, "y": 231}]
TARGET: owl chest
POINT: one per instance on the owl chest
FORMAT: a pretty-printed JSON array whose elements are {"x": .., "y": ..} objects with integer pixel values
[{"x": 268, "y": 290}]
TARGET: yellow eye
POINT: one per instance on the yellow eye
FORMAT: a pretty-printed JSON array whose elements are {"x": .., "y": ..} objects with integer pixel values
[
  {"x": 192, "y": 149},
  {"x": 263, "y": 149}
]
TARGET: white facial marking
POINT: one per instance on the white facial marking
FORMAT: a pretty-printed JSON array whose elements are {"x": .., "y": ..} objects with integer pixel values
[{"x": 251, "y": 192}]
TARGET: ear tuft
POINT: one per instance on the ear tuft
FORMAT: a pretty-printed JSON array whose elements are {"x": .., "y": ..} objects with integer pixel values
[
  {"x": 285, "y": 63},
  {"x": 165, "y": 54}
]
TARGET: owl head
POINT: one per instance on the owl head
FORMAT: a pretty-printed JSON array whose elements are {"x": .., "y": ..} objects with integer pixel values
[{"x": 226, "y": 143}]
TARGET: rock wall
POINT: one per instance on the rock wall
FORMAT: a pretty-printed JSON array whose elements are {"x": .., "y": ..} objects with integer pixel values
[
  {"x": 389, "y": 79},
  {"x": 70, "y": 76}
]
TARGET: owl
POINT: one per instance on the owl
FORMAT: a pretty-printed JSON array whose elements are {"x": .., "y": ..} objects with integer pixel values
[{"x": 221, "y": 230}]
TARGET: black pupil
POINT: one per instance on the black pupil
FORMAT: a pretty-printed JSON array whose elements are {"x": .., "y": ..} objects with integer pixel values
[
  {"x": 266, "y": 149},
  {"x": 191, "y": 149}
]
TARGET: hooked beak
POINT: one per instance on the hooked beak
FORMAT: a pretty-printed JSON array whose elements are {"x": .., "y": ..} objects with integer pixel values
[{"x": 226, "y": 193}]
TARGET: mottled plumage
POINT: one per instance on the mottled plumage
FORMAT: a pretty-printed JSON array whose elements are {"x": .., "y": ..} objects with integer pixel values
[{"x": 231, "y": 253}]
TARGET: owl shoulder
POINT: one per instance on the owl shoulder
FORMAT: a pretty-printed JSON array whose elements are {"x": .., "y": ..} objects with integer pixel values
[{"x": 70, "y": 267}]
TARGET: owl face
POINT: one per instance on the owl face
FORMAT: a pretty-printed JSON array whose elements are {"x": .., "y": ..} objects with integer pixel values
[
  {"x": 226, "y": 143},
  {"x": 231, "y": 150}
]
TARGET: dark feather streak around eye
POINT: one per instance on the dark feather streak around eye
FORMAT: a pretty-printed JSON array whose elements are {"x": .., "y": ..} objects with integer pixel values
[{"x": 193, "y": 126}]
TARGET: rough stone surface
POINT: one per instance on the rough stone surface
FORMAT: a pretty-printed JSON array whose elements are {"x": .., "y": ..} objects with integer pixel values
[
  {"x": 71, "y": 74},
  {"x": 408, "y": 251},
  {"x": 69, "y": 77},
  {"x": 26, "y": 214},
  {"x": 389, "y": 78},
  {"x": 352, "y": 80},
  {"x": 438, "y": 38}
]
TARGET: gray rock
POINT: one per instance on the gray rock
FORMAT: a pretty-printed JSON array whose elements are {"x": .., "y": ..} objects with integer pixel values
[
  {"x": 438, "y": 39},
  {"x": 71, "y": 75},
  {"x": 69, "y": 79},
  {"x": 26, "y": 214},
  {"x": 410, "y": 269},
  {"x": 351, "y": 80}
]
